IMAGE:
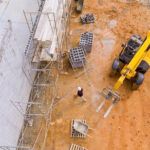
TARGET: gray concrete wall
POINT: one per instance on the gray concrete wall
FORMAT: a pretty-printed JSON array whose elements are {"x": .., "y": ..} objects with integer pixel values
[{"x": 13, "y": 82}]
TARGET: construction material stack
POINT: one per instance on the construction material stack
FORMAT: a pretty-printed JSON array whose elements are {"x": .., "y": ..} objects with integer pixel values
[
  {"x": 86, "y": 41},
  {"x": 87, "y": 19},
  {"x": 77, "y": 57},
  {"x": 76, "y": 147}
]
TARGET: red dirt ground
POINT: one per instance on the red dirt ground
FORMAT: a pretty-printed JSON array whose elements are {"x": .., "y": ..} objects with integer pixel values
[{"x": 126, "y": 128}]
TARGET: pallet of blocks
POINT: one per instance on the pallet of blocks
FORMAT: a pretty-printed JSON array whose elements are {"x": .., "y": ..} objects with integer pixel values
[
  {"x": 86, "y": 41},
  {"x": 87, "y": 19},
  {"x": 77, "y": 57},
  {"x": 76, "y": 147}
]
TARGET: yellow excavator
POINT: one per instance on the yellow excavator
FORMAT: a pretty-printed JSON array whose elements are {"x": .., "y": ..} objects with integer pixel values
[{"x": 133, "y": 63}]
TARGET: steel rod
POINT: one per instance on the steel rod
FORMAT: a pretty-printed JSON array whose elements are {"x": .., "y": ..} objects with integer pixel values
[
  {"x": 14, "y": 147},
  {"x": 27, "y": 21}
]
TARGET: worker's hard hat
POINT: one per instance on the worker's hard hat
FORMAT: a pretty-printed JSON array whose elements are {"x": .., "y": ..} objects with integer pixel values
[{"x": 79, "y": 88}]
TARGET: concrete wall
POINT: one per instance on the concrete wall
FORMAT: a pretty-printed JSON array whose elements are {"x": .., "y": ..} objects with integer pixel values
[{"x": 13, "y": 82}]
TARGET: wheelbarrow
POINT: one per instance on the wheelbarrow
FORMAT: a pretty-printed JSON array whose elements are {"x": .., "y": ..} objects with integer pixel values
[{"x": 81, "y": 127}]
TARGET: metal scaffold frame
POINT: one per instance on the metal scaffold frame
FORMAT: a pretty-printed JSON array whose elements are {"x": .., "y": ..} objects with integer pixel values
[
  {"x": 19, "y": 107},
  {"x": 65, "y": 25},
  {"x": 15, "y": 147},
  {"x": 43, "y": 77}
]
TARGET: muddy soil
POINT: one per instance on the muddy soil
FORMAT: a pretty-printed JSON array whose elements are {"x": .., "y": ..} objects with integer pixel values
[{"x": 126, "y": 128}]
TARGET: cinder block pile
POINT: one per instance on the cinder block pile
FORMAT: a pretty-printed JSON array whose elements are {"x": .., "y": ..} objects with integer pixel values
[
  {"x": 87, "y": 19},
  {"x": 77, "y": 57},
  {"x": 86, "y": 41}
]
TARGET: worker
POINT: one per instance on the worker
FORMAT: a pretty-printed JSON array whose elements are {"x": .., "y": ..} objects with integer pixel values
[{"x": 80, "y": 93}]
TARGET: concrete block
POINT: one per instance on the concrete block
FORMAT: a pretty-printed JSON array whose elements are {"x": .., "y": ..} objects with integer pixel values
[
  {"x": 77, "y": 57},
  {"x": 86, "y": 41}
]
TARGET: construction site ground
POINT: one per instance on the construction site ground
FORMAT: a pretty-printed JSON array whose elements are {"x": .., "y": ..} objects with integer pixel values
[{"x": 126, "y": 128}]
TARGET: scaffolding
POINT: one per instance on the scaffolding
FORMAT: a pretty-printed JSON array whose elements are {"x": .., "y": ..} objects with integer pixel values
[{"x": 42, "y": 76}]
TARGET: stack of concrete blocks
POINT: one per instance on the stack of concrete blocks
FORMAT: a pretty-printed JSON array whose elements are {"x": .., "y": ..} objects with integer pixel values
[
  {"x": 76, "y": 147},
  {"x": 86, "y": 41},
  {"x": 77, "y": 57},
  {"x": 87, "y": 19}
]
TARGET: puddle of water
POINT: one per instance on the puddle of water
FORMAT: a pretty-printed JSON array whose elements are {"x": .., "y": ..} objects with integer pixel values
[
  {"x": 112, "y": 24},
  {"x": 108, "y": 45},
  {"x": 97, "y": 31}
]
